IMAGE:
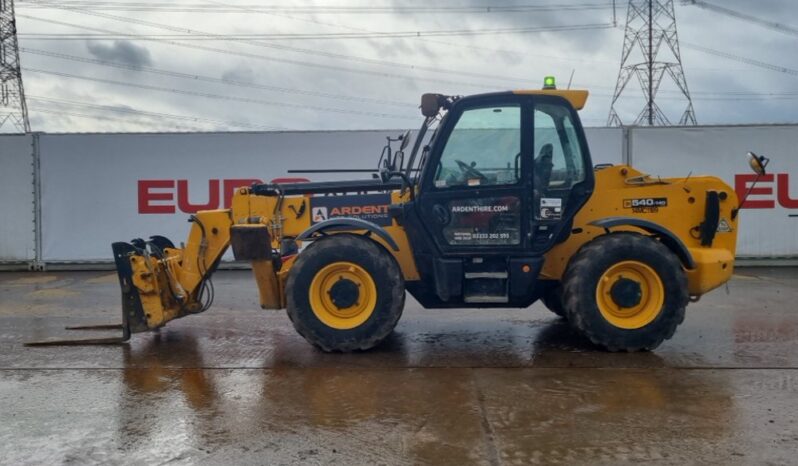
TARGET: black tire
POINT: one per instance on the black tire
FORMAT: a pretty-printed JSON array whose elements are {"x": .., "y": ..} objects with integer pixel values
[
  {"x": 382, "y": 268},
  {"x": 582, "y": 279},
  {"x": 552, "y": 299}
]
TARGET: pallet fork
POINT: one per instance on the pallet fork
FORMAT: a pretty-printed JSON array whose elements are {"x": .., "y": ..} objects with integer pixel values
[{"x": 131, "y": 307}]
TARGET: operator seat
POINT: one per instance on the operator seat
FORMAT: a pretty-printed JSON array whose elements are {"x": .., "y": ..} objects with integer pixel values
[{"x": 543, "y": 168}]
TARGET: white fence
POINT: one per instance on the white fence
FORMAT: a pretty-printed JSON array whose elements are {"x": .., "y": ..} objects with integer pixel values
[
  {"x": 17, "y": 199},
  {"x": 66, "y": 197}
]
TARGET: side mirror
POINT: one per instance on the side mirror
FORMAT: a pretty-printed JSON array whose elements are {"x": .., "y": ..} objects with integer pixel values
[
  {"x": 385, "y": 171},
  {"x": 430, "y": 105},
  {"x": 758, "y": 163}
]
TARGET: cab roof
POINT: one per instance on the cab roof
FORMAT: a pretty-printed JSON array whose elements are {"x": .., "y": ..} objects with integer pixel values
[{"x": 577, "y": 98}]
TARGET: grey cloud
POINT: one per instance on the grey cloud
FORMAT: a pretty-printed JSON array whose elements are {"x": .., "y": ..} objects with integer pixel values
[
  {"x": 240, "y": 73},
  {"x": 510, "y": 61},
  {"x": 122, "y": 51}
]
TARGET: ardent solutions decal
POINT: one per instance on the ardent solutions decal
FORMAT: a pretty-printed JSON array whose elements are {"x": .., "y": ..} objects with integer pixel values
[
  {"x": 370, "y": 207},
  {"x": 646, "y": 204}
]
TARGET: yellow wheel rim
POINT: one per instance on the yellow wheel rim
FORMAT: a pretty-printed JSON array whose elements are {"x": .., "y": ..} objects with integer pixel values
[
  {"x": 630, "y": 295},
  {"x": 343, "y": 295}
]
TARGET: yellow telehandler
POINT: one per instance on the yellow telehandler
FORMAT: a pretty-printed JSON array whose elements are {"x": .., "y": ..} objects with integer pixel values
[{"x": 497, "y": 205}]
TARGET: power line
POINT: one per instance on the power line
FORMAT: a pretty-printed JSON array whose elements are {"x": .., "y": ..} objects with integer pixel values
[
  {"x": 210, "y": 79},
  {"x": 154, "y": 114},
  {"x": 316, "y": 36},
  {"x": 337, "y": 56},
  {"x": 462, "y": 45},
  {"x": 742, "y": 59},
  {"x": 781, "y": 27},
  {"x": 309, "y": 51},
  {"x": 246, "y": 8},
  {"x": 245, "y": 84},
  {"x": 106, "y": 118},
  {"x": 317, "y": 52},
  {"x": 318, "y": 9},
  {"x": 392, "y": 75},
  {"x": 216, "y": 96}
]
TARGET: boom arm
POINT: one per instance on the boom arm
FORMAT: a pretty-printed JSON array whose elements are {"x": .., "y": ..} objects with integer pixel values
[{"x": 161, "y": 285}]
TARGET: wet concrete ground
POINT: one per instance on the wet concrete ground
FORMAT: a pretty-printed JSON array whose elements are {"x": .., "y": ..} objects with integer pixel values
[{"x": 237, "y": 385}]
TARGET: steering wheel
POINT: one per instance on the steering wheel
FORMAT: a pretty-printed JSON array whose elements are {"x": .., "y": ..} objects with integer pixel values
[{"x": 470, "y": 171}]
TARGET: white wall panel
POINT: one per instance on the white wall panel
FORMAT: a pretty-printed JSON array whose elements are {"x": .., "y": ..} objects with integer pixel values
[
  {"x": 606, "y": 145},
  {"x": 17, "y": 232},
  {"x": 90, "y": 182},
  {"x": 768, "y": 231}
]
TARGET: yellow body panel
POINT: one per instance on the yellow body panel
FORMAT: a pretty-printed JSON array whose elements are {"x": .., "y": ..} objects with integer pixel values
[
  {"x": 246, "y": 207},
  {"x": 714, "y": 267},
  {"x": 617, "y": 186},
  {"x": 268, "y": 284}
]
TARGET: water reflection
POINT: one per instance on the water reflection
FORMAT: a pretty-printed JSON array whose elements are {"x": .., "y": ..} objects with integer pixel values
[
  {"x": 362, "y": 411},
  {"x": 169, "y": 401}
]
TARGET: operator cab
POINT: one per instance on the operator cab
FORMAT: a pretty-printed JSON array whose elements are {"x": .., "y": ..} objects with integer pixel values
[{"x": 498, "y": 185}]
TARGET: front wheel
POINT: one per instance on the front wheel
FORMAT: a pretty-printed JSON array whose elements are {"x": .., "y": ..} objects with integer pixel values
[
  {"x": 552, "y": 298},
  {"x": 344, "y": 293},
  {"x": 625, "y": 292}
]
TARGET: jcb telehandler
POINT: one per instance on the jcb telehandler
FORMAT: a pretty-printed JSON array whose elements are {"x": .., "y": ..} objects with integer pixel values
[{"x": 498, "y": 206}]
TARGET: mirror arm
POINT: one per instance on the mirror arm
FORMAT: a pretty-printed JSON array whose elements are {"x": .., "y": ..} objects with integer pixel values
[
  {"x": 736, "y": 210},
  {"x": 761, "y": 162},
  {"x": 405, "y": 181}
]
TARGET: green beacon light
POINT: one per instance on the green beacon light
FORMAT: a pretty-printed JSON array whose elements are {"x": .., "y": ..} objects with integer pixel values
[{"x": 548, "y": 83}]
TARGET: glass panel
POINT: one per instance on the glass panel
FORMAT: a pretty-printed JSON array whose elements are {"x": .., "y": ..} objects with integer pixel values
[
  {"x": 554, "y": 128},
  {"x": 558, "y": 160},
  {"x": 483, "y": 149},
  {"x": 485, "y": 221}
]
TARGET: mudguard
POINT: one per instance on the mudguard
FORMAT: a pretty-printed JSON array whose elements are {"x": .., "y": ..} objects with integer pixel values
[
  {"x": 668, "y": 239},
  {"x": 348, "y": 223}
]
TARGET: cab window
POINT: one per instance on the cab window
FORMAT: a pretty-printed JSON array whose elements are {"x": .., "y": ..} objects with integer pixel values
[
  {"x": 558, "y": 154},
  {"x": 483, "y": 149}
]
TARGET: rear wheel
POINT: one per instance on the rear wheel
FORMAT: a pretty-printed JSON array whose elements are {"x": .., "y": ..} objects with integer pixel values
[
  {"x": 344, "y": 293},
  {"x": 625, "y": 292}
]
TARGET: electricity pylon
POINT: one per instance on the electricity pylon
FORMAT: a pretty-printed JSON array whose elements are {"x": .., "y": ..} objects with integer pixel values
[
  {"x": 13, "y": 109},
  {"x": 649, "y": 25}
]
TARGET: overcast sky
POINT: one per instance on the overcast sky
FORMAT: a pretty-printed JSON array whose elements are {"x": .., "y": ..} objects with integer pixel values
[{"x": 376, "y": 83}]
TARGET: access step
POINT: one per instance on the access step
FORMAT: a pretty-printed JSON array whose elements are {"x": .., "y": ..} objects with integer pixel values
[
  {"x": 485, "y": 299},
  {"x": 497, "y": 275}
]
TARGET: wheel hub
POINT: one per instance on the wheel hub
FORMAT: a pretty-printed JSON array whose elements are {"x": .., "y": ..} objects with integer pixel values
[
  {"x": 344, "y": 293},
  {"x": 630, "y": 294},
  {"x": 626, "y": 292}
]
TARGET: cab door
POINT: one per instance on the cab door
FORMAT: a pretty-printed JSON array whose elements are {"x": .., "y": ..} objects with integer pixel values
[
  {"x": 477, "y": 182},
  {"x": 562, "y": 179}
]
